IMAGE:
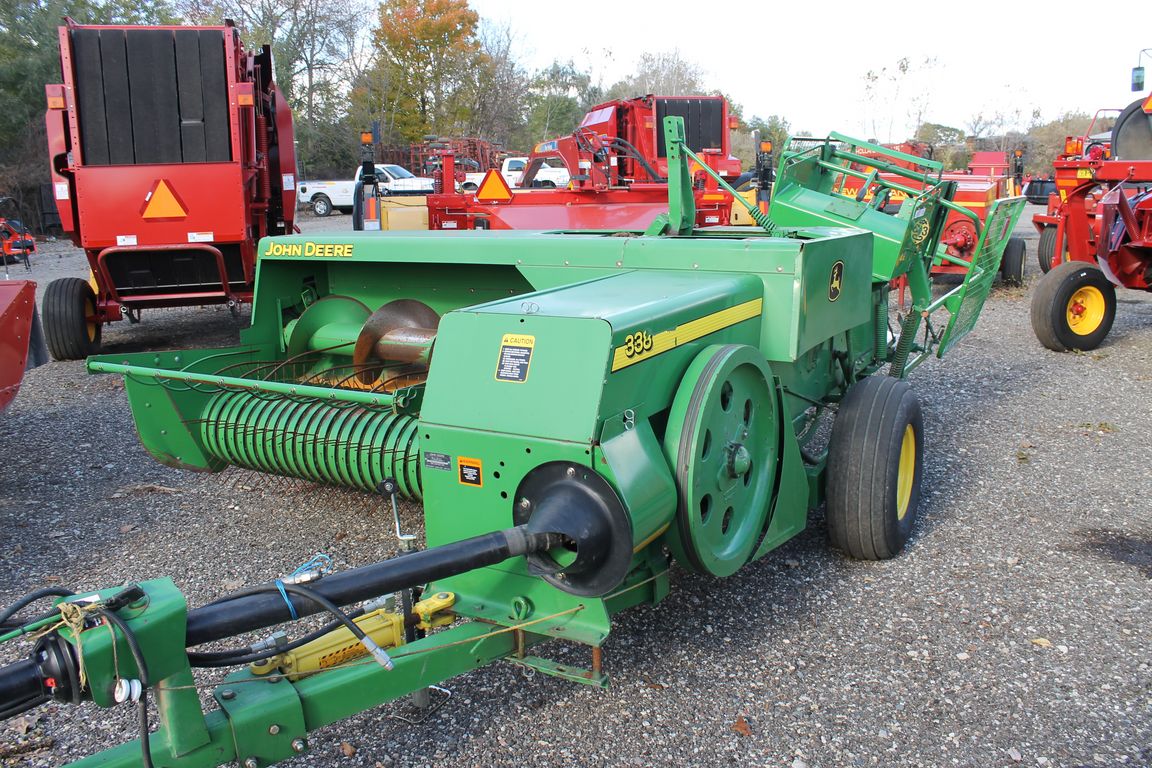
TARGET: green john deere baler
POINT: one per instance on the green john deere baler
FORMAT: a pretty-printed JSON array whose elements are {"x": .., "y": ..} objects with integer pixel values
[{"x": 574, "y": 410}]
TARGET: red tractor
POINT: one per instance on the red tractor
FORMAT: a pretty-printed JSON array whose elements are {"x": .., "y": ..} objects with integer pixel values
[
  {"x": 1107, "y": 244},
  {"x": 167, "y": 178}
]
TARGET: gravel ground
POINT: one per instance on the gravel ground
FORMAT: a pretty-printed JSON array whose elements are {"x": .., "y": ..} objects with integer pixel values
[{"x": 1014, "y": 631}]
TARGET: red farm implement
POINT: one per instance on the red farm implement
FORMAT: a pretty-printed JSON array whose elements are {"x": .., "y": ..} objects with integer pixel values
[
  {"x": 618, "y": 164},
  {"x": 423, "y": 158},
  {"x": 1105, "y": 242},
  {"x": 16, "y": 242},
  {"x": 1072, "y": 214},
  {"x": 166, "y": 178},
  {"x": 21, "y": 339},
  {"x": 990, "y": 176}
]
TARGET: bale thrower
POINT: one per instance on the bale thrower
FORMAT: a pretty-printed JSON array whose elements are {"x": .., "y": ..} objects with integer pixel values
[{"x": 576, "y": 411}]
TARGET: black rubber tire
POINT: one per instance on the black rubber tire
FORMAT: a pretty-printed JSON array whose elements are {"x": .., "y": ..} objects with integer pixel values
[
  {"x": 468, "y": 187},
  {"x": 357, "y": 212},
  {"x": 1132, "y": 133},
  {"x": 1012, "y": 262},
  {"x": 321, "y": 205},
  {"x": 1046, "y": 250},
  {"x": 1050, "y": 306},
  {"x": 68, "y": 303},
  {"x": 864, "y": 455}
]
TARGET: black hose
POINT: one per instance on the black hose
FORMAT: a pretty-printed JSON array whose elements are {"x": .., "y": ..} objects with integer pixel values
[
  {"x": 235, "y": 656},
  {"x": 630, "y": 150},
  {"x": 21, "y": 706},
  {"x": 142, "y": 671},
  {"x": 30, "y": 598}
]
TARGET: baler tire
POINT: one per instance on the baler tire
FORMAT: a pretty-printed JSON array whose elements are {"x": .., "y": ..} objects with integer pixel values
[
  {"x": 321, "y": 206},
  {"x": 1046, "y": 250},
  {"x": 68, "y": 304},
  {"x": 1052, "y": 307},
  {"x": 1012, "y": 262},
  {"x": 875, "y": 466}
]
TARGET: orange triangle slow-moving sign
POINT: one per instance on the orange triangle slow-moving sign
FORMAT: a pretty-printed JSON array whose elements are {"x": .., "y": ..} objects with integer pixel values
[
  {"x": 493, "y": 189},
  {"x": 162, "y": 203}
]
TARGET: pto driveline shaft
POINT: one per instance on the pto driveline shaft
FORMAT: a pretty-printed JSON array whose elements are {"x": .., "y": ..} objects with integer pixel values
[{"x": 244, "y": 614}]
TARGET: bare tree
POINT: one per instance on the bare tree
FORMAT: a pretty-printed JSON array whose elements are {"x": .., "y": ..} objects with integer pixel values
[
  {"x": 904, "y": 87},
  {"x": 494, "y": 95},
  {"x": 666, "y": 74}
]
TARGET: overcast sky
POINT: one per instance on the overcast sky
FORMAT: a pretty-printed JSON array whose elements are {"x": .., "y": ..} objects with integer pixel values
[{"x": 1005, "y": 57}]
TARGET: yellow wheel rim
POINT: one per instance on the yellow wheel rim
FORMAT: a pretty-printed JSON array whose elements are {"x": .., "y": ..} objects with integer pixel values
[
  {"x": 906, "y": 472},
  {"x": 90, "y": 309},
  {"x": 1085, "y": 311}
]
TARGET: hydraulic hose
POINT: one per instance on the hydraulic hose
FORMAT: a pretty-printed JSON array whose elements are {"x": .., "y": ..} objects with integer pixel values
[
  {"x": 6, "y": 615},
  {"x": 235, "y": 656}
]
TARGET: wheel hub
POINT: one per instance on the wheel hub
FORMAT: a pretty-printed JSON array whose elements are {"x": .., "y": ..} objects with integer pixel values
[
  {"x": 1086, "y": 310},
  {"x": 739, "y": 460},
  {"x": 723, "y": 440}
]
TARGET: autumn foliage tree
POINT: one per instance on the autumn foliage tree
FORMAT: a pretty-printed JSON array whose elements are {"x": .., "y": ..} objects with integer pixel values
[{"x": 424, "y": 48}]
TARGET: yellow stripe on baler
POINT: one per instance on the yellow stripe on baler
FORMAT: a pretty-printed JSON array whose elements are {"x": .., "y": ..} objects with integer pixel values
[{"x": 686, "y": 332}]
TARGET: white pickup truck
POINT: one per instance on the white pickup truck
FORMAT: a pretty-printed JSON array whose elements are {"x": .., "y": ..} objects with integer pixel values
[
  {"x": 512, "y": 169},
  {"x": 324, "y": 196}
]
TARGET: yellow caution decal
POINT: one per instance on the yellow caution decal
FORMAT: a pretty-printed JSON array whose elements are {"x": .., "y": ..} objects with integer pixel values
[
  {"x": 471, "y": 471},
  {"x": 642, "y": 345},
  {"x": 515, "y": 357}
]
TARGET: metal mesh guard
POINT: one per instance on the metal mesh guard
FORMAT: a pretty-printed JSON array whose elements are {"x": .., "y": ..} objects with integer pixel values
[{"x": 985, "y": 264}]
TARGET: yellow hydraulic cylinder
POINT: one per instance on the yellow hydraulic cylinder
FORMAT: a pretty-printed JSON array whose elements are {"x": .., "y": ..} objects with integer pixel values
[{"x": 384, "y": 627}]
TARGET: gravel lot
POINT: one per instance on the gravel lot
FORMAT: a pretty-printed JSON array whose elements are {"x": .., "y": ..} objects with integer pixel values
[{"x": 1014, "y": 631}]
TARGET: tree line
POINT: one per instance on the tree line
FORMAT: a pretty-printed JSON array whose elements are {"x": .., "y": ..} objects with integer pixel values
[{"x": 417, "y": 67}]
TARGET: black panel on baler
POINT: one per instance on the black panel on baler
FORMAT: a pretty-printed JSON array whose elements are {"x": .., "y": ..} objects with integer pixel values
[
  {"x": 703, "y": 122},
  {"x": 151, "y": 96},
  {"x": 191, "y": 95},
  {"x": 217, "y": 131},
  {"x": 155, "y": 105},
  {"x": 117, "y": 97},
  {"x": 90, "y": 96}
]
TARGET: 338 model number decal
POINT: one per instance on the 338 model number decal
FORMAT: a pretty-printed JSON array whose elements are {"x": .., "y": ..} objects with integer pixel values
[
  {"x": 636, "y": 344},
  {"x": 640, "y": 346}
]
